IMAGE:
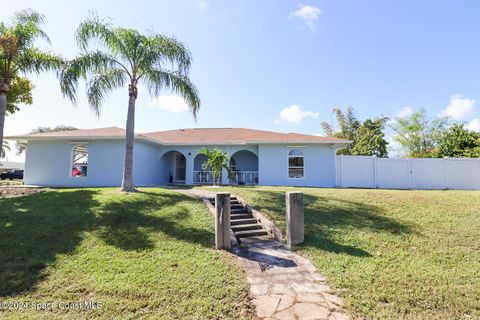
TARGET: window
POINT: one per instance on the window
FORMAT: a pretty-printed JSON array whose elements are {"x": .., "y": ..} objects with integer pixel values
[
  {"x": 79, "y": 161},
  {"x": 295, "y": 164}
]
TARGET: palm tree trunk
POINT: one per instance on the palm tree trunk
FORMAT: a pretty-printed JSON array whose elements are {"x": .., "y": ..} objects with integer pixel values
[
  {"x": 127, "y": 182},
  {"x": 3, "y": 110}
]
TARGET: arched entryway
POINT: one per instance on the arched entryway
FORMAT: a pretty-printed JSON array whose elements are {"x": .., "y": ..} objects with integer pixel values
[
  {"x": 176, "y": 163},
  {"x": 244, "y": 165},
  {"x": 200, "y": 175}
]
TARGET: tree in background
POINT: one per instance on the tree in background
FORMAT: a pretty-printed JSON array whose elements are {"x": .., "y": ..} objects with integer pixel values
[
  {"x": 370, "y": 138},
  {"x": 20, "y": 93},
  {"x": 348, "y": 125},
  {"x": 458, "y": 142},
  {"x": 126, "y": 57},
  {"x": 4, "y": 147},
  {"x": 216, "y": 161},
  {"x": 418, "y": 135},
  {"x": 21, "y": 146},
  {"x": 18, "y": 55}
]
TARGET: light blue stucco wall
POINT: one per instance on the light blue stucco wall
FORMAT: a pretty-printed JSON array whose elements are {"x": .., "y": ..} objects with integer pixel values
[
  {"x": 48, "y": 163},
  {"x": 319, "y": 165}
]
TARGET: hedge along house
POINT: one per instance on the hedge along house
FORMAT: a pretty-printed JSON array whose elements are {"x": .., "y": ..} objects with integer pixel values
[{"x": 94, "y": 157}]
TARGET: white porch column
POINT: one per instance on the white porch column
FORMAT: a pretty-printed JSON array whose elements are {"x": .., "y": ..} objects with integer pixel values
[{"x": 189, "y": 168}]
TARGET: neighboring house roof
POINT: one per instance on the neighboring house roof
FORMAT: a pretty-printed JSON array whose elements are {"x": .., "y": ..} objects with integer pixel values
[
  {"x": 12, "y": 165},
  {"x": 200, "y": 136}
]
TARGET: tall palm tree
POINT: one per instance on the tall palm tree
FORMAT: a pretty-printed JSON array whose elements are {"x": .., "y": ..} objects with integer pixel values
[
  {"x": 124, "y": 56},
  {"x": 19, "y": 55}
]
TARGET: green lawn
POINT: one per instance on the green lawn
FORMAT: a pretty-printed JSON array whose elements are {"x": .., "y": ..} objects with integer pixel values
[
  {"x": 11, "y": 182},
  {"x": 146, "y": 255},
  {"x": 390, "y": 254}
]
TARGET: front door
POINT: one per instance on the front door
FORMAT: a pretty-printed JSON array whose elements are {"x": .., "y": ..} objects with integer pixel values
[{"x": 180, "y": 167}]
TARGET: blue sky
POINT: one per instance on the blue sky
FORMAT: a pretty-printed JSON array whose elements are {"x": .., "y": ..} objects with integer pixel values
[{"x": 279, "y": 65}]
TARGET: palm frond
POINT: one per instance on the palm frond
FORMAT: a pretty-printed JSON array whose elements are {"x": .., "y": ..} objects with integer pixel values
[
  {"x": 327, "y": 128},
  {"x": 27, "y": 27},
  {"x": 95, "y": 28},
  {"x": 163, "y": 48},
  {"x": 101, "y": 83},
  {"x": 96, "y": 62},
  {"x": 37, "y": 61},
  {"x": 157, "y": 81}
]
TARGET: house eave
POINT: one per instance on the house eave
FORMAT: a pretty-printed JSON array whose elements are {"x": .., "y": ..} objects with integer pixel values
[{"x": 77, "y": 138}]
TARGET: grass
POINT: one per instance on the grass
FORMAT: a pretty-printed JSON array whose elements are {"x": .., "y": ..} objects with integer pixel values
[
  {"x": 145, "y": 255},
  {"x": 11, "y": 182},
  {"x": 390, "y": 254}
]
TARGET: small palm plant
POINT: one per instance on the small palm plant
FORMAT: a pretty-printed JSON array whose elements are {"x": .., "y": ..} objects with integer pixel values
[
  {"x": 216, "y": 161},
  {"x": 124, "y": 57}
]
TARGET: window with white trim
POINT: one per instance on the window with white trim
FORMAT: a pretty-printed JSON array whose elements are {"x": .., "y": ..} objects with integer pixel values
[
  {"x": 295, "y": 164},
  {"x": 79, "y": 161}
]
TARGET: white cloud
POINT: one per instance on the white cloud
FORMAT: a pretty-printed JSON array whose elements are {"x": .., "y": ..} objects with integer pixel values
[
  {"x": 459, "y": 108},
  {"x": 404, "y": 112},
  {"x": 394, "y": 148},
  {"x": 173, "y": 104},
  {"x": 203, "y": 4},
  {"x": 294, "y": 114},
  {"x": 308, "y": 14},
  {"x": 474, "y": 125}
]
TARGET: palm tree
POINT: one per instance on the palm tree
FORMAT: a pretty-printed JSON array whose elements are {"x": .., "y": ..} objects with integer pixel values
[
  {"x": 125, "y": 56},
  {"x": 348, "y": 126},
  {"x": 216, "y": 161},
  {"x": 18, "y": 55}
]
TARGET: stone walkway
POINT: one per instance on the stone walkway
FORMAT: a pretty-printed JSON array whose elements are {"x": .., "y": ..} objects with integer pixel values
[{"x": 283, "y": 285}]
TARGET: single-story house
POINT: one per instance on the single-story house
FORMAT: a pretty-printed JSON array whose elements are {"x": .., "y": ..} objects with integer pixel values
[{"x": 95, "y": 157}]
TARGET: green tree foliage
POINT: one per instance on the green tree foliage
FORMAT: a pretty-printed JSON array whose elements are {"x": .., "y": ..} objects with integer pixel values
[
  {"x": 216, "y": 161},
  {"x": 21, "y": 146},
  {"x": 20, "y": 93},
  {"x": 418, "y": 135},
  {"x": 348, "y": 125},
  {"x": 458, "y": 142},
  {"x": 370, "y": 139},
  {"x": 4, "y": 147},
  {"x": 112, "y": 57},
  {"x": 368, "y": 134},
  {"x": 19, "y": 55}
]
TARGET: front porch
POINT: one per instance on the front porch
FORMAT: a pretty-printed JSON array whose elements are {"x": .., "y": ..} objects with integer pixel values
[{"x": 244, "y": 166}]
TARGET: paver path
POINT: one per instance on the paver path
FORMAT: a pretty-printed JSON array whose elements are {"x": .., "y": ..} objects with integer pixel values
[{"x": 283, "y": 284}]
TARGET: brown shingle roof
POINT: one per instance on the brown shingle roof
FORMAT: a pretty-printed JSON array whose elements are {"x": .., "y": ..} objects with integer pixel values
[
  {"x": 234, "y": 136},
  {"x": 189, "y": 136},
  {"x": 99, "y": 132}
]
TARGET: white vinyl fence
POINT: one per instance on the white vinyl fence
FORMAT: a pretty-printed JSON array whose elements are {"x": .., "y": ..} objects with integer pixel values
[{"x": 396, "y": 173}]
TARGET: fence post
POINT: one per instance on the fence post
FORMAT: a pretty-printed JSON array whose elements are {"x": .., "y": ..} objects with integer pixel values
[
  {"x": 341, "y": 171},
  {"x": 375, "y": 172},
  {"x": 222, "y": 220},
  {"x": 295, "y": 220}
]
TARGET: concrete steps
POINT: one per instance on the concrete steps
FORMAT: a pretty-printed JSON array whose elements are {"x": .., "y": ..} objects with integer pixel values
[{"x": 242, "y": 222}]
